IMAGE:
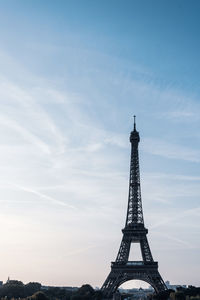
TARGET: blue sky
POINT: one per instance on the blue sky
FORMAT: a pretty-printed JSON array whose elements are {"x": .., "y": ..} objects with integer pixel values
[{"x": 72, "y": 75}]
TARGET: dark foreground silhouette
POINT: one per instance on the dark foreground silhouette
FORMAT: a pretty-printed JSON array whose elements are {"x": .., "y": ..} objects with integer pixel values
[{"x": 15, "y": 289}]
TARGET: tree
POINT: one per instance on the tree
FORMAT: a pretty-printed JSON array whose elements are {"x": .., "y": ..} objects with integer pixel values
[
  {"x": 39, "y": 296},
  {"x": 85, "y": 292},
  {"x": 58, "y": 293},
  {"x": 179, "y": 295},
  {"x": 164, "y": 295},
  {"x": 12, "y": 289},
  {"x": 31, "y": 288}
]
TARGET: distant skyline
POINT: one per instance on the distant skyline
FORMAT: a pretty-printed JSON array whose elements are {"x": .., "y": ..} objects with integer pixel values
[{"x": 72, "y": 75}]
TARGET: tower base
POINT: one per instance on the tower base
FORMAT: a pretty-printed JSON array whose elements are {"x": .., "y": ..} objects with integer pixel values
[{"x": 138, "y": 270}]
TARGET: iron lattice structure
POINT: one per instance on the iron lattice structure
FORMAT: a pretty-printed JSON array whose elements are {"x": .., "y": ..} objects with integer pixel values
[{"x": 134, "y": 231}]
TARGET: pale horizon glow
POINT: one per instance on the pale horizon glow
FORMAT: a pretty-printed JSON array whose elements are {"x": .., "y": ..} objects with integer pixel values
[{"x": 72, "y": 75}]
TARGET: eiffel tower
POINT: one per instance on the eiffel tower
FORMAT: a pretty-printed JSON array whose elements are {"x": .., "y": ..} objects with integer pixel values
[{"x": 122, "y": 269}]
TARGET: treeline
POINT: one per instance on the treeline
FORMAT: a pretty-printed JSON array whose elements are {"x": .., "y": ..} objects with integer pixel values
[
  {"x": 15, "y": 289},
  {"x": 190, "y": 293}
]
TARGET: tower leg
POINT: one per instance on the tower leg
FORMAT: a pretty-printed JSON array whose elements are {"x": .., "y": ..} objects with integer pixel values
[
  {"x": 157, "y": 282},
  {"x": 145, "y": 249},
  {"x": 124, "y": 250},
  {"x": 111, "y": 284}
]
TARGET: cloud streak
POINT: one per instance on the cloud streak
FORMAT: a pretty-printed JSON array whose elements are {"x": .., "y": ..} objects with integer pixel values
[{"x": 170, "y": 151}]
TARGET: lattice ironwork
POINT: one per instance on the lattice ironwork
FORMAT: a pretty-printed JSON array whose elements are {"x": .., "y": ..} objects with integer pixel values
[{"x": 122, "y": 269}]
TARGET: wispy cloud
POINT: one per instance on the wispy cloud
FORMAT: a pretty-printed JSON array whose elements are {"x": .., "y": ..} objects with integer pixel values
[
  {"x": 172, "y": 176},
  {"x": 78, "y": 251},
  {"x": 177, "y": 241},
  {"x": 39, "y": 194},
  {"x": 45, "y": 197},
  {"x": 182, "y": 115},
  {"x": 177, "y": 216},
  {"x": 25, "y": 134},
  {"x": 171, "y": 151}
]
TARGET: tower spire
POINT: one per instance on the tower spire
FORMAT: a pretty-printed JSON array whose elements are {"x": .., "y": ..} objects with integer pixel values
[{"x": 134, "y": 122}]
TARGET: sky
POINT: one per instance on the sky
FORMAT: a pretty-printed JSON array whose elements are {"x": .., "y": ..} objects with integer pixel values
[{"x": 72, "y": 75}]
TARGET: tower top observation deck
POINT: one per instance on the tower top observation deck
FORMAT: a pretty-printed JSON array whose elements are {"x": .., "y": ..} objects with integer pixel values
[{"x": 134, "y": 137}]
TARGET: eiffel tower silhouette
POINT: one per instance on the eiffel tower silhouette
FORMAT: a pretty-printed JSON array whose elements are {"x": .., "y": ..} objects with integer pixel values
[{"x": 122, "y": 269}]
